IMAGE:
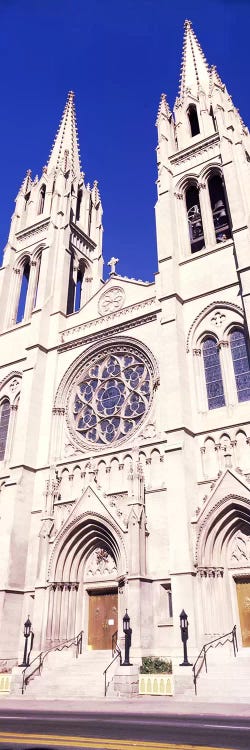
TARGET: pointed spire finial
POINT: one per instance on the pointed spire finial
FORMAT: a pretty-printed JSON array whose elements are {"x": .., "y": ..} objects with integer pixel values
[
  {"x": 66, "y": 139},
  {"x": 163, "y": 109},
  {"x": 194, "y": 66}
]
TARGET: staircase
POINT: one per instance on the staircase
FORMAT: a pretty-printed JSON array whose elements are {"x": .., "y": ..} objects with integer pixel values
[
  {"x": 226, "y": 680},
  {"x": 64, "y": 676}
]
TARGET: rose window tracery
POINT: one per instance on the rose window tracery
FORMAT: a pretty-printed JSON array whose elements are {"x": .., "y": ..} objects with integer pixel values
[{"x": 112, "y": 397}]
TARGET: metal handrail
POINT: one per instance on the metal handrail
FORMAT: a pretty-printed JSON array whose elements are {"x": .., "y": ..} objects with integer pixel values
[
  {"x": 117, "y": 653},
  {"x": 76, "y": 641},
  {"x": 114, "y": 642},
  {"x": 202, "y": 656}
]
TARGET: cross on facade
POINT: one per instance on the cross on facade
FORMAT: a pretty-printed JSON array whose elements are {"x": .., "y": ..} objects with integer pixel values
[{"x": 112, "y": 263}]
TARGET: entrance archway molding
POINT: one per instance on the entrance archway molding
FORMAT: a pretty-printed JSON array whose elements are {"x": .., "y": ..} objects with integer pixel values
[{"x": 90, "y": 514}]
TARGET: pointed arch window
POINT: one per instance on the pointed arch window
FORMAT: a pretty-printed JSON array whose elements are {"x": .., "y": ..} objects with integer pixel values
[
  {"x": 195, "y": 225},
  {"x": 241, "y": 367},
  {"x": 78, "y": 291},
  {"x": 23, "y": 292},
  {"x": 71, "y": 288},
  {"x": 4, "y": 425},
  {"x": 213, "y": 376},
  {"x": 193, "y": 120},
  {"x": 41, "y": 201},
  {"x": 78, "y": 204},
  {"x": 26, "y": 201},
  {"x": 219, "y": 208}
]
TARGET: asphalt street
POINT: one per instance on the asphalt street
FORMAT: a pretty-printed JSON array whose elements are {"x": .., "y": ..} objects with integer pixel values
[{"x": 121, "y": 731}]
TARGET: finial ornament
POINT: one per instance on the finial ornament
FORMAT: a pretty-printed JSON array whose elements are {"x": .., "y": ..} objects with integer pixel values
[{"x": 112, "y": 263}]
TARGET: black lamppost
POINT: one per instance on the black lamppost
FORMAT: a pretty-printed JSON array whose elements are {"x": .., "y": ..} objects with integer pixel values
[
  {"x": 26, "y": 632},
  {"x": 127, "y": 632},
  {"x": 184, "y": 638}
]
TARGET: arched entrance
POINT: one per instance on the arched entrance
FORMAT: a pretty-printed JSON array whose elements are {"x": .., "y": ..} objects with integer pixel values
[
  {"x": 223, "y": 567},
  {"x": 83, "y": 591}
]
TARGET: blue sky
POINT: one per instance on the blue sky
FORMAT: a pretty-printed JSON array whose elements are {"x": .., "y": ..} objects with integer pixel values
[{"x": 118, "y": 56}]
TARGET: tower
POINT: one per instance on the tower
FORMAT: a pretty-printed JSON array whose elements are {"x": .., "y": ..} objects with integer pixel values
[
  {"x": 54, "y": 252},
  {"x": 202, "y": 221}
]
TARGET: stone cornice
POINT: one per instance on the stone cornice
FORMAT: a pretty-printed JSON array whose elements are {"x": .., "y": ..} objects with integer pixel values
[
  {"x": 82, "y": 236},
  {"x": 36, "y": 228},
  {"x": 102, "y": 323},
  {"x": 195, "y": 150}
]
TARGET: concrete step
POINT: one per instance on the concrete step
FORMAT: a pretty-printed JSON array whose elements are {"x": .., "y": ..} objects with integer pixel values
[
  {"x": 228, "y": 680},
  {"x": 71, "y": 677}
]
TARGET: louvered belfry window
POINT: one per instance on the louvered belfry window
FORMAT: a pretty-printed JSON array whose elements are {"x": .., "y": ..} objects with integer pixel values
[{"x": 4, "y": 424}]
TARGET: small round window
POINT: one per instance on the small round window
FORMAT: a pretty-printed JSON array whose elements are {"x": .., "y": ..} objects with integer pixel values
[{"x": 112, "y": 396}]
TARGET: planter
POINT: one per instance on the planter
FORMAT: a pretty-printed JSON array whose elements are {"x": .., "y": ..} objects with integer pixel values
[
  {"x": 5, "y": 682},
  {"x": 156, "y": 684}
]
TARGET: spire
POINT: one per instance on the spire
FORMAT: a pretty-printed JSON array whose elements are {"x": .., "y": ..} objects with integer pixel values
[
  {"x": 66, "y": 139},
  {"x": 163, "y": 109},
  {"x": 194, "y": 68}
]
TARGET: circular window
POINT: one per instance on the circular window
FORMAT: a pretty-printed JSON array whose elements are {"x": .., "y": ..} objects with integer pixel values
[{"x": 111, "y": 397}]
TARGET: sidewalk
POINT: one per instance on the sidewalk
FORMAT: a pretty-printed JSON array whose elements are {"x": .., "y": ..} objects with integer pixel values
[{"x": 140, "y": 705}]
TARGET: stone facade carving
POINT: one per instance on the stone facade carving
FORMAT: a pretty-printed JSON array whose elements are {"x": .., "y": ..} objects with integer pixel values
[
  {"x": 101, "y": 565},
  {"x": 111, "y": 301}
]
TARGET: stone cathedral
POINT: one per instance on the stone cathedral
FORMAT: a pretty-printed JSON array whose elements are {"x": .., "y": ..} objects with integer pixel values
[{"x": 125, "y": 405}]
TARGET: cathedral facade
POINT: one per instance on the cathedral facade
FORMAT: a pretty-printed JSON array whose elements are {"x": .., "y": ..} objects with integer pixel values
[{"x": 125, "y": 405}]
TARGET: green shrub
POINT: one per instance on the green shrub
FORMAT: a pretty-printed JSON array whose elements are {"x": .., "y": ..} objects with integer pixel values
[{"x": 152, "y": 665}]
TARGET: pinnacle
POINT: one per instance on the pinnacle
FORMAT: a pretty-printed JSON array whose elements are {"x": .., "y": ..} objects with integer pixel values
[
  {"x": 194, "y": 66},
  {"x": 66, "y": 139},
  {"x": 163, "y": 108}
]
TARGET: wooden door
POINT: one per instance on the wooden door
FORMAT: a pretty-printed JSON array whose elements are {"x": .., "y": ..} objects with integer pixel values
[
  {"x": 103, "y": 620},
  {"x": 243, "y": 596}
]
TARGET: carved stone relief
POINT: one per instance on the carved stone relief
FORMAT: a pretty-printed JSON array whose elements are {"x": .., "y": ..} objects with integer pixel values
[
  {"x": 112, "y": 300},
  {"x": 240, "y": 554},
  {"x": 101, "y": 565}
]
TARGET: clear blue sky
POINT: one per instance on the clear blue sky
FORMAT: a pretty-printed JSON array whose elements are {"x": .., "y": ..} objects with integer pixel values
[{"x": 118, "y": 56}]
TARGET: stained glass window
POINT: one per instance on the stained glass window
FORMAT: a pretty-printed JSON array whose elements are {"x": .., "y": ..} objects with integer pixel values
[
  {"x": 112, "y": 397},
  {"x": 241, "y": 364},
  {"x": 215, "y": 392},
  {"x": 4, "y": 423}
]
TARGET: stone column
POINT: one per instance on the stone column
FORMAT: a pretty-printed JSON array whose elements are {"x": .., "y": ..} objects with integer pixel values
[
  {"x": 50, "y": 615},
  {"x": 206, "y": 215},
  {"x": 182, "y": 224},
  {"x": 31, "y": 290},
  {"x": 12, "y": 308},
  {"x": 56, "y": 433},
  {"x": 200, "y": 383},
  {"x": 227, "y": 372},
  {"x": 64, "y": 612}
]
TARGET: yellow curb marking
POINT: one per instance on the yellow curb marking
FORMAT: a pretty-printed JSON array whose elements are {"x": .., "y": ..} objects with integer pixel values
[{"x": 96, "y": 743}]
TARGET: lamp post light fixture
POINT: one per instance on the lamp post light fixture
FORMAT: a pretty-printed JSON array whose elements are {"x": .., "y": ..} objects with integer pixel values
[
  {"x": 26, "y": 632},
  {"x": 184, "y": 638},
  {"x": 127, "y": 632}
]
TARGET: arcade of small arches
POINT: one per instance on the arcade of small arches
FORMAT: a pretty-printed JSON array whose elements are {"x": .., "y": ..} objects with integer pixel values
[{"x": 228, "y": 450}]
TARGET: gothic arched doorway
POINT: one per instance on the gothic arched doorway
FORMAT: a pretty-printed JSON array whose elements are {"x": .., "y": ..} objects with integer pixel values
[
  {"x": 223, "y": 567},
  {"x": 83, "y": 590}
]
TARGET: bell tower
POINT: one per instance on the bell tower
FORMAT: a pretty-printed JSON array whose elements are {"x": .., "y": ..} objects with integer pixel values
[
  {"x": 53, "y": 257},
  {"x": 203, "y": 176}
]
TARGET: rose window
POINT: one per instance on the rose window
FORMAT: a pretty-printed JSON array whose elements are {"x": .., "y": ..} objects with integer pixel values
[{"x": 112, "y": 397}]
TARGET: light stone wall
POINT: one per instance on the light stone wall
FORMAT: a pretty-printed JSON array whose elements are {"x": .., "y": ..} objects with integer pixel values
[{"x": 155, "y": 496}]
